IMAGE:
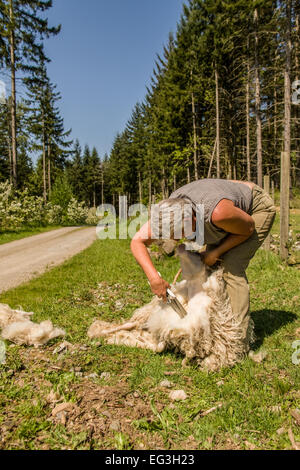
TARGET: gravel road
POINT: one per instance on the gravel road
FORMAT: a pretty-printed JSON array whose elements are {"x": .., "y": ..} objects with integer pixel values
[{"x": 25, "y": 259}]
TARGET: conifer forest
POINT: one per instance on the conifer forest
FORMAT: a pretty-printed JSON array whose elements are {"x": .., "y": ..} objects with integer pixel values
[{"x": 223, "y": 102}]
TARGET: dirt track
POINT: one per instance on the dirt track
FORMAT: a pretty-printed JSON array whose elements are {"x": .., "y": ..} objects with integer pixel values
[{"x": 25, "y": 259}]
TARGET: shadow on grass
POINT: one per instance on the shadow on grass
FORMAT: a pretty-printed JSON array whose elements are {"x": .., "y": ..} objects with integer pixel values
[{"x": 267, "y": 321}]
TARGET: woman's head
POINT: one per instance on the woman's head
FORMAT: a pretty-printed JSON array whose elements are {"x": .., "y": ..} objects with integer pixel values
[{"x": 172, "y": 219}]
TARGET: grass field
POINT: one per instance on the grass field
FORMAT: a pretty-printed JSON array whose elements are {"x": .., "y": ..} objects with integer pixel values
[
  {"x": 12, "y": 235},
  {"x": 115, "y": 396}
]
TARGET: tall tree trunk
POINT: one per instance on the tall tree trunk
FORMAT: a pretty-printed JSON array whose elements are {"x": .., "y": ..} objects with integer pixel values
[
  {"x": 229, "y": 175},
  {"x": 188, "y": 175},
  {"x": 297, "y": 78},
  {"x": 149, "y": 189},
  {"x": 231, "y": 152},
  {"x": 248, "y": 118},
  {"x": 49, "y": 168},
  {"x": 297, "y": 40},
  {"x": 275, "y": 111},
  {"x": 217, "y": 121},
  {"x": 44, "y": 164},
  {"x": 286, "y": 154},
  {"x": 13, "y": 96},
  {"x": 10, "y": 160},
  {"x": 211, "y": 160},
  {"x": 195, "y": 137},
  {"x": 257, "y": 106},
  {"x": 8, "y": 139},
  {"x": 149, "y": 194},
  {"x": 234, "y": 171},
  {"x": 140, "y": 187},
  {"x": 164, "y": 184},
  {"x": 102, "y": 184}
]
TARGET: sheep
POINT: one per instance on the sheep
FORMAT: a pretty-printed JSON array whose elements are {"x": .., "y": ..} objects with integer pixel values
[
  {"x": 208, "y": 334},
  {"x": 17, "y": 327}
]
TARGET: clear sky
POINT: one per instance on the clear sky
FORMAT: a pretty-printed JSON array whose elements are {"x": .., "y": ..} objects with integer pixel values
[{"x": 103, "y": 60}]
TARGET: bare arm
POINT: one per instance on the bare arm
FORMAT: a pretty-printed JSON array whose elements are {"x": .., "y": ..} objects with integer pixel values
[
  {"x": 233, "y": 220},
  {"x": 139, "y": 250}
]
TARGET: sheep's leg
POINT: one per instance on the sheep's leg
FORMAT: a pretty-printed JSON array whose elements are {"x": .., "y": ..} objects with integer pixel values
[
  {"x": 126, "y": 327},
  {"x": 153, "y": 346},
  {"x": 136, "y": 340}
]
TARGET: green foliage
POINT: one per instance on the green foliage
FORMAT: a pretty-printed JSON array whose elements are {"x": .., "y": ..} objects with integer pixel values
[
  {"x": 23, "y": 28},
  {"x": 20, "y": 211},
  {"x": 170, "y": 136},
  {"x": 168, "y": 140},
  {"x": 61, "y": 193}
]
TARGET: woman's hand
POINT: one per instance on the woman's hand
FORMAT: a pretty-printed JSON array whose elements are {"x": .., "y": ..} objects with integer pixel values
[
  {"x": 210, "y": 257},
  {"x": 159, "y": 287}
]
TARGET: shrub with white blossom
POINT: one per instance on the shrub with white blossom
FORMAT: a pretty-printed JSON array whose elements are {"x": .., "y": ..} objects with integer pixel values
[
  {"x": 54, "y": 214},
  {"x": 92, "y": 217},
  {"x": 77, "y": 212},
  {"x": 18, "y": 209}
]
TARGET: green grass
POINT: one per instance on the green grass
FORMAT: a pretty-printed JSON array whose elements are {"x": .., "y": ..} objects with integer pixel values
[
  {"x": 12, "y": 235},
  {"x": 294, "y": 255},
  {"x": 294, "y": 222},
  {"x": 294, "y": 200},
  {"x": 256, "y": 398}
]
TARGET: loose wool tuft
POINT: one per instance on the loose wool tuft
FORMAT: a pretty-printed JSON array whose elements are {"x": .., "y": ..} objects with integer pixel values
[
  {"x": 17, "y": 327},
  {"x": 208, "y": 334}
]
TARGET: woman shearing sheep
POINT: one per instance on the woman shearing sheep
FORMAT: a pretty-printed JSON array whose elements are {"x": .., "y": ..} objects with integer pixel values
[{"x": 238, "y": 216}]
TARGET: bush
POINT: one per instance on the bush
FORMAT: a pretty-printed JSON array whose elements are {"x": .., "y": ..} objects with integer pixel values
[
  {"x": 61, "y": 194},
  {"x": 18, "y": 209},
  {"x": 54, "y": 214},
  {"x": 77, "y": 212},
  {"x": 92, "y": 217}
]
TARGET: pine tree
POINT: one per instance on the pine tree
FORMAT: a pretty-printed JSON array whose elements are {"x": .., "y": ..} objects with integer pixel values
[
  {"x": 75, "y": 173},
  {"x": 137, "y": 143},
  {"x": 46, "y": 125},
  {"x": 92, "y": 176},
  {"x": 95, "y": 176},
  {"x": 215, "y": 106},
  {"x": 5, "y": 143},
  {"x": 20, "y": 36}
]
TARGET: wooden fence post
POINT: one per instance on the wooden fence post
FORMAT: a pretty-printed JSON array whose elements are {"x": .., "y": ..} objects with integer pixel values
[
  {"x": 267, "y": 242},
  {"x": 284, "y": 205}
]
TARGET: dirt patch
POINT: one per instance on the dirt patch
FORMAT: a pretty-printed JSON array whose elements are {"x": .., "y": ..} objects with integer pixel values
[
  {"x": 104, "y": 411},
  {"x": 98, "y": 412}
]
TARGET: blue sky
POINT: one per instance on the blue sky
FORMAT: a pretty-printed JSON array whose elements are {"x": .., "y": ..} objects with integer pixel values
[{"x": 103, "y": 60}]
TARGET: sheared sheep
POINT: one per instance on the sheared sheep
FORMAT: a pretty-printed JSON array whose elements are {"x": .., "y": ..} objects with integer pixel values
[
  {"x": 17, "y": 327},
  {"x": 208, "y": 334}
]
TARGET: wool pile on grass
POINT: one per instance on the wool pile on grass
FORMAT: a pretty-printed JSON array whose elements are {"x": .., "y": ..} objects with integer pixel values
[
  {"x": 17, "y": 327},
  {"x": 209, "y": 334}
]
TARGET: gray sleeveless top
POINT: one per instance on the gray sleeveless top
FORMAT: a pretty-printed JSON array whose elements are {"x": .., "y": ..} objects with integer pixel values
[{"x": 210, "y": 192}]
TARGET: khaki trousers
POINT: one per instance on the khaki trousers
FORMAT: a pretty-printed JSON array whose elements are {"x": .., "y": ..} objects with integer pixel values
[{"x": 236, "y": 260}]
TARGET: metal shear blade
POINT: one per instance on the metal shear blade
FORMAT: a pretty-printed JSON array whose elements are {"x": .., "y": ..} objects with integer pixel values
[{"x": 175, "y": 304}]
